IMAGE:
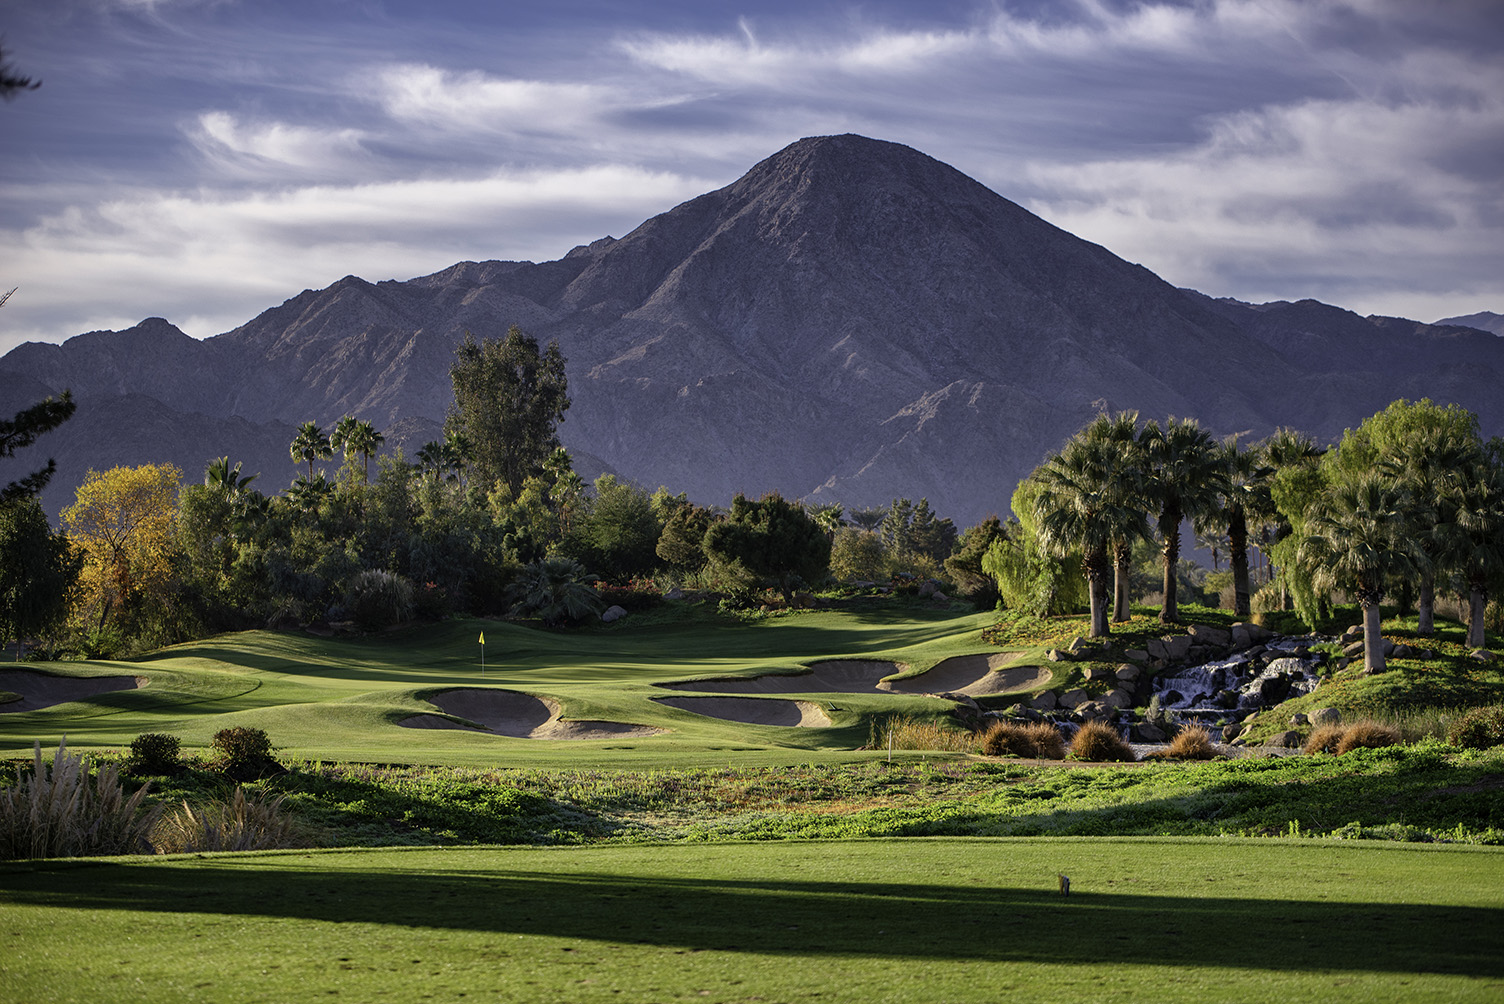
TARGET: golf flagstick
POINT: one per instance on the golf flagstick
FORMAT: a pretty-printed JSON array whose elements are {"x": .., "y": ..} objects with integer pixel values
[{"x": 482, "y": 653}]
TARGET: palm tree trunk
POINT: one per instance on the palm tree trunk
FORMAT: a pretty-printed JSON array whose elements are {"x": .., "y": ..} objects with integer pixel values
[
  {"x": 1237, "y": 560},
  {"x": 1373, "y": 633},
  {"x": 1425, "y": 612},
  {"x": 1122, "y": 575},
  {"x": 1169, "y": 528},
  {"x": 1097, "y": 564},
  {"x": 1477, "y": 607}
]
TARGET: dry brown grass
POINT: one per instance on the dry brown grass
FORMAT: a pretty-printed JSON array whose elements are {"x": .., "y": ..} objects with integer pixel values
[
  {"x": 1368, "y": 735},
  {"x": 62, "y": 809},
  {"x": 1324, "y": 738},
  {"x": 1191, "y": 743},
  {"x": 907, "y": 733},
  {"x": 1033, "y": 740},
  {"x": 1100, "y": 742},
  {"x": 241, "y": 824}
]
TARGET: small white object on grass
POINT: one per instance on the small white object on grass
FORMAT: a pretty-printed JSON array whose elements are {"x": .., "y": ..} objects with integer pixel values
[{"x": 1065, "y": 885}]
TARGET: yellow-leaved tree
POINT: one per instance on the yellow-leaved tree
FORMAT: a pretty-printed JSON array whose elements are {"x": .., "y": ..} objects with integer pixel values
[{"x": 123, "y": 522}]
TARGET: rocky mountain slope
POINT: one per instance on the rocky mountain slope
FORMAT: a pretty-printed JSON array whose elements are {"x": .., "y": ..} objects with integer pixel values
[{"x": 851, "y": 320}]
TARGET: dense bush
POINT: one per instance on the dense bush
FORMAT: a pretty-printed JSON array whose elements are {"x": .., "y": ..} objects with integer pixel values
[
  {"x": 1191, "y": 743},
  {"x": 243, "y": 753},
  {"x": 1098, "y": 741},
  {"x": 1324, "y": 739},
  {"x": 61, "y": 809},
  {"x": 1479, "y": 728},
  {"x": 376, "y": 599},
  {"x": 153, "y": 753}
]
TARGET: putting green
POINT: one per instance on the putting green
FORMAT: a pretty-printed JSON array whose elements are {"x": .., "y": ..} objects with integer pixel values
[
  {"x": 344, "y": 699},
  {"x": 916, "y": 920}
]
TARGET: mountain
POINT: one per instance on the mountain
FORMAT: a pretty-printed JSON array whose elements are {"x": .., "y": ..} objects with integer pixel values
[
  {"x": 1484, "y": 320},
  {"x": 851, "y": 320}
]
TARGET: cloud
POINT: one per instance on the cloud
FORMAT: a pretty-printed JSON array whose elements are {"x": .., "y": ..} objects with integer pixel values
[
  {"x": 170, "y": 254},
  {"x": 255, "y": 149},
  {"x": 429, "y": 95}
]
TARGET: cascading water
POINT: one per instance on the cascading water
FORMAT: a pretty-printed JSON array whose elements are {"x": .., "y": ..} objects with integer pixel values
[{"x": 1237, "y": 686}]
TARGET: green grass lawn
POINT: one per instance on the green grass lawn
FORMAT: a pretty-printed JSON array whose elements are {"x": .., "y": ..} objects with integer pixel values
[
  {"x": 863, "y": 921},
  {"x": 340, "y": 699}
]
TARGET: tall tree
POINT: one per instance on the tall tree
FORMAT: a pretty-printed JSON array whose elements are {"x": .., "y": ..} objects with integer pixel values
[
  {"x": 1245, "y": 496},
  {"x": 1120, "y": 432},
  {"x": 356, "y": 438},
  {"x": 1472, "y": 542},
  {"x": 1185, "y": 479},
  {"x": 1355, "y": 540},
  {"x": 1087, "y": 501},
  {"x": 310, "y": 444},
  {"x": 23, "y": 430},
  {"x": 39, "y": 571},
  {"x": 508, "y": 401},
  {"x": 772, "y": 538},
  {"x": 123, "y": 520}
]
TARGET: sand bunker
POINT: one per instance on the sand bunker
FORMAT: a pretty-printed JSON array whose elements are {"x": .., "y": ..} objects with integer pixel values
[
  {"x": 839, "y": 676},
  {"x": 972, "y": 675},
  {"x": 753, "y": 711},
  {"x": 521, "y": 716},
  {"x": 43, "y": 690}
]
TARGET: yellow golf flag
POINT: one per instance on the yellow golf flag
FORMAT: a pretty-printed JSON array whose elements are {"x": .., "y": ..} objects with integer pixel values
[{"x": 482, "y": 637}]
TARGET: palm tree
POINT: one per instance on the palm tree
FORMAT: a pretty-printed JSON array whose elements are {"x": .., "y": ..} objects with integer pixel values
[
  {"x": 219, "y": 474},
  {"x": 555, "y": 590},
  {"x": 308, "y": 494},
  {"x": 431, "y": 459},
  {"x": 1293, "y": 456},
  {"x": 458, "y": 452},
  {"x": 1087, "y": 500},
  {"x": 364, "y": 441},
  {"x": 1431, "y": 464},
  {"x": 1120, "y": 432},
  {"x": 1472, "y": 543},
  {"x": 1245, "y": 493},
  {"x": 1186, "y": 478},
  {"x": 310, "y": 444},
  {"x": 1355, "y": 540}
]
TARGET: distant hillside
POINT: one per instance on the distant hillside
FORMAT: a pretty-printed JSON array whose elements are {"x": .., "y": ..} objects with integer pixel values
[
  {"x": 851, "y": 320},
  {"x": 1485, "y": 320}
]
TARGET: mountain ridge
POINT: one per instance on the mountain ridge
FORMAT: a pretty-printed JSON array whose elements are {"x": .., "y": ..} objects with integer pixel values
[{"x": 850, "y": 320}]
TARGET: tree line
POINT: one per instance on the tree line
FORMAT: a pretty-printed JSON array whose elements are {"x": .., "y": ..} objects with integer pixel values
[{"x": 493, "y": 519}]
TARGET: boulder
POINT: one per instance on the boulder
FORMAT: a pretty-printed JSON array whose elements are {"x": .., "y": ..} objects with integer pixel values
[
  {"x": 1074, "y": 698},
  {"x": 1118, "y": 698},
  {"x": 1146, "y": 733},
  {"x": 1284, "y": 740},
  {"x": 1100, "y": 673},
  {"x": 1136, "y": 655},
  {"x": 1208, "y": 635},
  {"x": 1055, "y": 655},
  {"x": 674, "y": 594},
  {"x": 613, "y": 613},
  {"x": 1299, "y": 719},
  {"x": 1353, "y": 649},
  {"x": 1177, "y": 646},
  {"x": 1231, "y": 732},
  {"x": 1078, "y": 644},
  {"x": 1241, "y": 639},
  {"x": 1046, "y": 701},
  {"x": 1126, "y": 672},
  {"x": 928, "y": 587},
  {"x": 940, "y": 597},
  {"x": 1156, "y": 649},
  {"x": 1257, "y": 633},
  {"x": 1483, "y": 655},
  {"x": 1326, "y": 716}
]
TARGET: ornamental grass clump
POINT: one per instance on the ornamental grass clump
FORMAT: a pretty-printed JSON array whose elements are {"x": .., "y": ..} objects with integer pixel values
[
  {"x": 1324, "y": 738},
  {"x": 1368, "y": 735},
  {"x": 905, "y": 733},
  {"x": 1032, "y": 740},
  {"x": 1099, "y": 742},
  {"x": 1191, "y": 743},
  {"x": 62, "y": 809},
  {"x": 242, "y": 824},
  {"x": 1478, "y": 728}
]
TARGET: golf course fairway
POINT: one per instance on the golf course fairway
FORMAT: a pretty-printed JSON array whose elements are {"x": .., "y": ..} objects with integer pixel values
[{"x": 1148, "y": 919}]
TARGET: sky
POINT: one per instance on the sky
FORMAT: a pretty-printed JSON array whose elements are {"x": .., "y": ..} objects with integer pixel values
[{"x": 203, "y": 160}]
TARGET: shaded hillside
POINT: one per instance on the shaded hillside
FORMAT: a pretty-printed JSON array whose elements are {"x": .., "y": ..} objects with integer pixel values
[{"x": 851, "y": 320}]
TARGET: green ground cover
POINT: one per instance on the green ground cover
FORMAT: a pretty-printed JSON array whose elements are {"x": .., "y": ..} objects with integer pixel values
[{"x": 913, "y": 920}]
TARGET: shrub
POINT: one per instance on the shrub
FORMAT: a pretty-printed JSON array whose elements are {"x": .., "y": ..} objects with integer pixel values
[
  {"x": 241, "y": 824},
  {"x": 1036, "y": 740},
  {"x": 153, "y": 753},
  {"x": 1478, "y": 728},
  {"x": 243, "y": 753},
  {"x": 1368, "y": 735},
  {"x": 1324, "y": 739},
  {"x": 1097, "y": 742},
  {"x": 1191, "y": 743},
  {"x": 62, "y": 810},
  {"x": 376, "y": 599}
]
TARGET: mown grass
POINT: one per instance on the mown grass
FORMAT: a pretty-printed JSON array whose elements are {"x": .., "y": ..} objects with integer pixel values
[
  {"x": 863, "y": 921},
  {"x": 341, "y": 698}
]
